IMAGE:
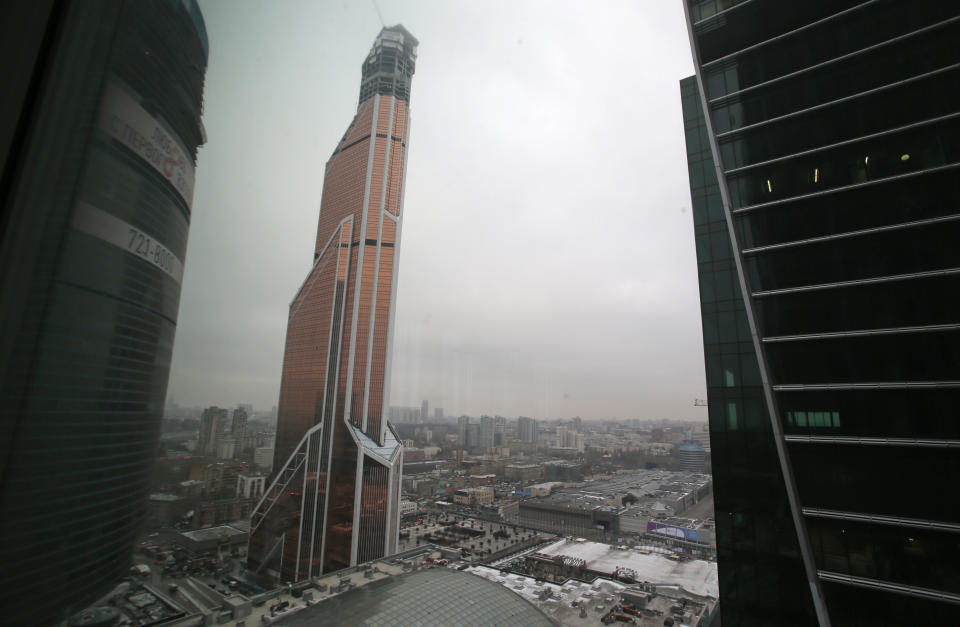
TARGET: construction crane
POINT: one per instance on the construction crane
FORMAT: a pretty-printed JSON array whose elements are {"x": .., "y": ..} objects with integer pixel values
[
  {"x": 379, "y": 15},
  {"x": 699, "y": 402}
]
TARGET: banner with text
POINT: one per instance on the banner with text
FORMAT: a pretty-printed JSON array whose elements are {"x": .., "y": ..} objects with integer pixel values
[{"x": 122, "y": 118}]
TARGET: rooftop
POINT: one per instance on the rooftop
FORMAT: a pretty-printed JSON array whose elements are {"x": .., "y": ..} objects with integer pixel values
[
  {"x": 695, "y": 576},
  {"x": 213, "y": 533},
  {"x": 575, "y": 603},
  {"x": 437, "y": 596}
]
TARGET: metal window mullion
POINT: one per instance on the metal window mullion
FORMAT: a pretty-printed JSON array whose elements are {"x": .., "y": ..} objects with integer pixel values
[
  {"x": 720, "y": 101},
  {"x": 826, "y": 105},
  {"x": 874, "y": 441},
  {"x": 845, "y": 188},
  {"x": 303, "y": 506},
  {"x": 376, "y": 274},
  {"x": 930, "y": 328},
  {"x": 897, "y": 521},
  {"x": 723, "y": 13},
  {"x": 858, "y": 282},
  {"x": 357, "y": 500},
  {"x": 889, "y": 586},
  {"x": 779, "y": 37},
  {"x": 398, "y": 220},
  {"x": 846, "y": 142},
  {"x": 851, "y": 234},
  {"x": 876, "y": 385},
  {"x": 358, "y": 283},
  {"x": 332, "y": 426}
]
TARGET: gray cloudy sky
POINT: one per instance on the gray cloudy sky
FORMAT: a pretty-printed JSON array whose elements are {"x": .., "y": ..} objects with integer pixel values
[{"x": 547, "y": 264}]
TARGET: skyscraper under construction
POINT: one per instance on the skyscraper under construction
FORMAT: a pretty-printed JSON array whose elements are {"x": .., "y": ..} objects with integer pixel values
[{"x": 334, "y": 498}]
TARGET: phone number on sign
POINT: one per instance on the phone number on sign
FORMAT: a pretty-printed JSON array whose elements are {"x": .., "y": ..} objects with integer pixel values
[{"x": 142, "y": 246}]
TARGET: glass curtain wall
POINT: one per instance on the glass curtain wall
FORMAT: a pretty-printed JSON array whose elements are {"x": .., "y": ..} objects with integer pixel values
[{"x": 837, "y": 129}]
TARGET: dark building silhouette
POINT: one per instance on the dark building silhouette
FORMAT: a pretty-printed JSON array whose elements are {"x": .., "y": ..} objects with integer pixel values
[
  {"x": 334, "y": 500},
  {"x": 100, "y": 128},
  {"x": 825, "y": 181}
]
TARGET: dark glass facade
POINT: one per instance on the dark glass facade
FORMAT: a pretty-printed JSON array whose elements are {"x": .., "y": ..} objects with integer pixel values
[
  {"x": 761, "y": 577},
  {"x": 334, "y": 498},
  {"x": 96, "y": 208},
  {"x": 827, "y": 209}
]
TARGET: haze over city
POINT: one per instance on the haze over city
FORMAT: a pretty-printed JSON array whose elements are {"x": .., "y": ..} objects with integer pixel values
[{"x": 547, "y": 262}]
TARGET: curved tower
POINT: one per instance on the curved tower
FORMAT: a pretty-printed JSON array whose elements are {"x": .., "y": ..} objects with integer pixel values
[
  {"x": 96, "y": 206},
  {"x": 334, "y": 497}
]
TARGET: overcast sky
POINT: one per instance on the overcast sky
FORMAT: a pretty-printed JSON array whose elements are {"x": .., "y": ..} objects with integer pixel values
[{"x": 547, "y": 265}]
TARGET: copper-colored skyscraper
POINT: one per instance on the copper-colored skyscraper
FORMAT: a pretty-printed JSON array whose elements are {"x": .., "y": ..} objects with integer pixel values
[{"x": 337, "y": 465}]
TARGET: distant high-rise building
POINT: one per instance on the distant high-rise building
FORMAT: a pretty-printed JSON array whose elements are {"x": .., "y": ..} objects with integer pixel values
[
  {"x": 99, "y": 131},
  {"x": 238, "y": 429},
  {"x": 473, "y": 436},
  {"x": 424, "y": 411},
  {"x": 226, "y": 447},
  {"x": 823, "y": 147},
  {"x": 526, "y": 429},
  {"x": 692, "y": 456},
  {"x": 212, "y": 425},
  {"x": 580, "y": 442},
  {"x": 561, "y": 437},
  {"x": 463, "y": 425},
  {"x": 487, "y": 430},
  {"x": 438, "y": 414},
  {"x": 337, "y": 464},
  {"x": 499, "y": 430}
]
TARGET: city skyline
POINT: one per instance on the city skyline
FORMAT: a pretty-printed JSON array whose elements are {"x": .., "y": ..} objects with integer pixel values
[{"x": 516, "y": 301}]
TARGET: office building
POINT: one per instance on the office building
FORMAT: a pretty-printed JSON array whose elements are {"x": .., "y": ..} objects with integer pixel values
[
  {"x": 212, "y": 424},
  {"x": 250, "y": 486},
  {"x": 424, "y": 411},
  {"x": 499, "y": 430},
  {"x": 486, "y": 432},
  {"x": 825, "y": 190},
  {"x": 238, "y": 429},
  {"x": 335, "y": 494},
  {"x": 226, "y": 447},
  {"x": 100, "y": 129},
  {"x": 463, "y": 429},
  {"x": 526, "y": 429},
  {"x": 692, "y": 456}
]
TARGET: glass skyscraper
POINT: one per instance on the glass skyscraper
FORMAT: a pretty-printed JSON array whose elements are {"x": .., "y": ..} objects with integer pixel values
[
  {"x": 335, "y": 494},
  {"x": 823, "y": 145},
  {"x": 105, "y": 99}
]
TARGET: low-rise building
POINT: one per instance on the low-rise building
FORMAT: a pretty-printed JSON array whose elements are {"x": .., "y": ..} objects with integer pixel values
[
  {"x": 522, "y": 472},
  {"x": 408, "y": 507},
  {"x": 263, "y": 456},
  {"x": 543, "y": 489}
]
